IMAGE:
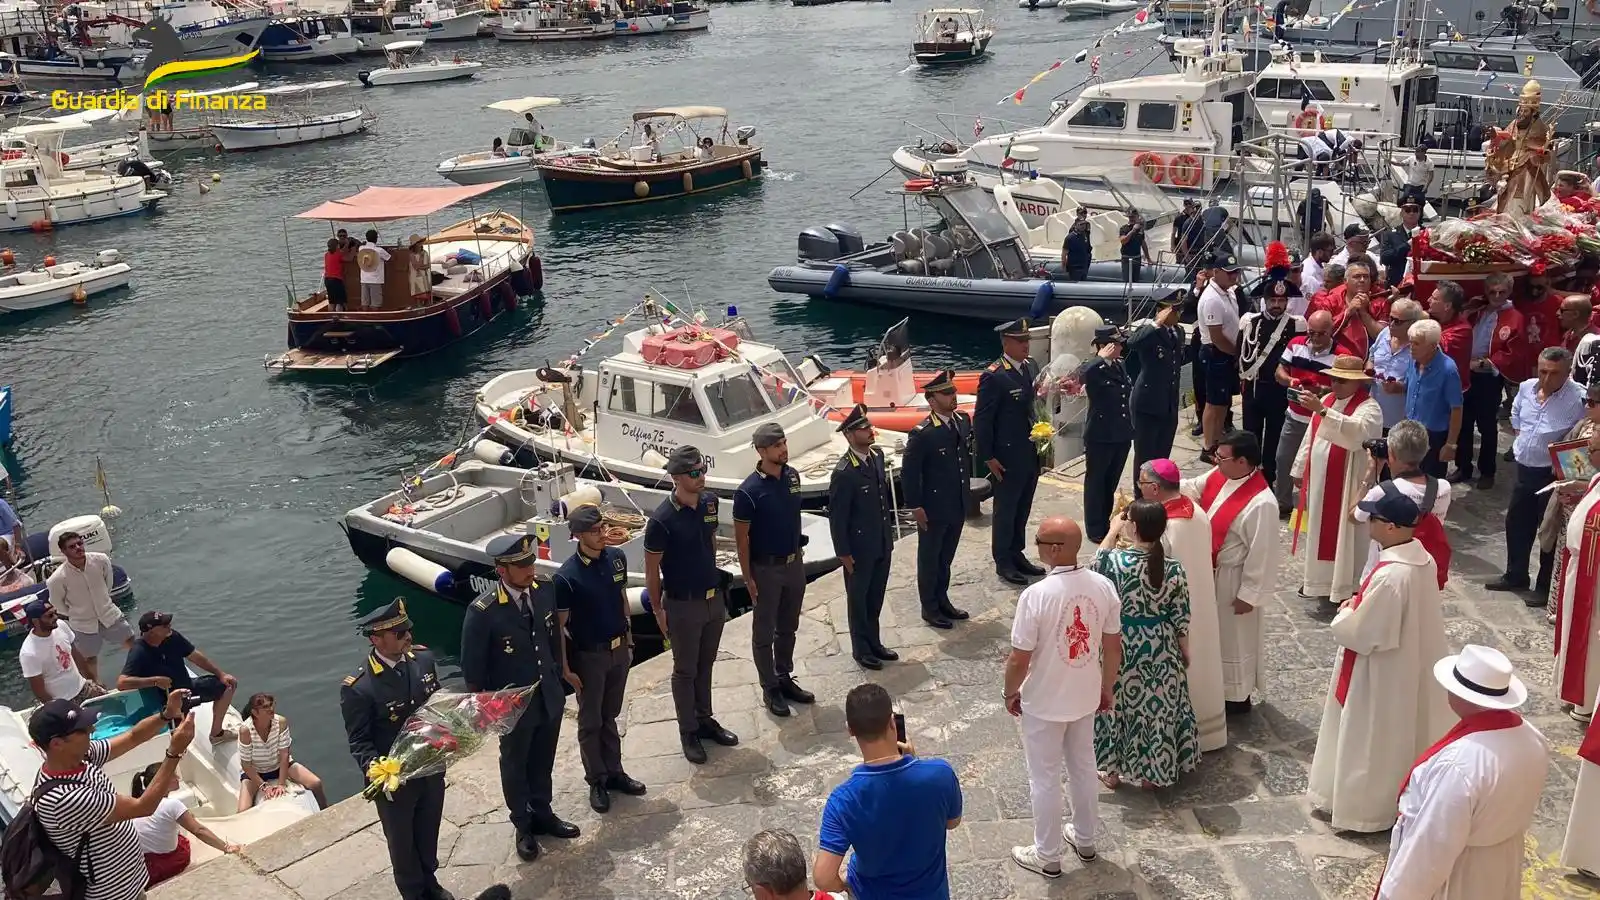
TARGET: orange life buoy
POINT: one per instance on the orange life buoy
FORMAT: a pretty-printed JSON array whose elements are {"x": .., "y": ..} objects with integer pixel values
[
  {"x": 1153, "y": 165},
  {"x": 1309, "y": 122},
  {"x": 918, "y": 184},
  {"x": 1185, "y": 170}
]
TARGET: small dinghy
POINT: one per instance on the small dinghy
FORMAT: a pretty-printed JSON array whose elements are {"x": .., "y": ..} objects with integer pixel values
[
  {"x": 408, "y": 65},
  {"x": 435, "y": 534},
  {"x": 514, "y": 161},
  {"x": 71, "y": 281},
  {"x": 41, "y": 546},
  {"x": 290, "y": 119}
]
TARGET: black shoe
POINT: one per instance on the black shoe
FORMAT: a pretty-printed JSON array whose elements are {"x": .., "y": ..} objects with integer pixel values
[
  {"x": 773, "y": 700},
  {"x": 554, "y": 827},
  {"x": 1538, "y": 601},
  {"x": 439, "y": 893},
  {"x": 1197, "y": 430},
  {"x": 693, "y": 750},
  {"x": 1236, "y": 707},
  {"x": 937, "y": 620},
  {"x": 626, "y": 785},
  {"x": 869, "y": 662},
  {"x": 1486, "y": 483},
  {"x": 1028, "y": 568},
  {"x": 884, "y": 653},
  {"x": 1209, "y": 457},
  {"x": 1508, "y": 457},
  {"x": 599, "y": 797},
  {"x": 953, "y": 613},
  {"x": 1507, "y": 583},
  {"x": 527, "y": 847},
  {"x": 711, "y": 731},
  {"x": 1012, "y": 576},
  {"x": 1459, "y": 476},
  {"x": 793, "y": 691}
]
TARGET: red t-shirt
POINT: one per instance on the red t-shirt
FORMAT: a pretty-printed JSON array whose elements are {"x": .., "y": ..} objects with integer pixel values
[
  {"x": 1455, "y": 340},
  {"x": 333, "y": 264}
]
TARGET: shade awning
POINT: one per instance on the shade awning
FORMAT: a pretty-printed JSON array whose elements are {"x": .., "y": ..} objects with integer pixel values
[
  {"x": 384, "y": 204},
  {"x": 682, "y": 112},
  {"x": 524, "y": 104}
]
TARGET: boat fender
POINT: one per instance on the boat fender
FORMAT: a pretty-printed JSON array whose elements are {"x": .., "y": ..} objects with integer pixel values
[
  {"x": 1309, "y": 121},
  {"x": 424, "y": 573},
  {"x": 485, "y": 306},
  {"x": 452, "y": 321},
  {"x": 1152, "y": 164},
  {"x": 537, "y": 270},
  {"x": 639, "y": 601},
  {"x": 1185, "y": 170},
  {"x": 688, "y": 182},
  {"x": 11, "y": 208},
  {"x": 493, "y": 452},
  {"x": 508, "y": 295},
  {"x": 837, "y": 281},
  {"x": 1042, "y": 299},
  {"x": 65, "y": 158},
  {"x": 641, "y": 189},
  {"x": 744, "y": 167},
  {"x": 916, "y": 185}
]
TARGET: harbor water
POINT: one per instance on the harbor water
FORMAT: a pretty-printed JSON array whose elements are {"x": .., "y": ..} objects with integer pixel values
[{"x": 232, "y": 481}]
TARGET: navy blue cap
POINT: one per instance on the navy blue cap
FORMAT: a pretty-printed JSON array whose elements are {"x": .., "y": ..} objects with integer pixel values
[
  {"x": 1107, "y": 334},
  {"x": 59, "y": 718},
  {"x": 1016, "y": 328},
  {"x": 510, "y": 549},
  {"x": 1393, "y": 507},
  {"x": 942, "y": 383},
  {"x": 767, "y": 434},
  {"x": 584, "y": 519},
  {"x": 1225, "y": 261},
  {"x": 386, "y": 619},
  {"x": 34, "y": 609},
  {"x": 856, "y": 419}
]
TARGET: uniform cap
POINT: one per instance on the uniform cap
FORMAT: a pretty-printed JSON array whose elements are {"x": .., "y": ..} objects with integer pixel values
[
  {"x": 767, "y": 434},
  {"x": 1227, "y": 262},
  {"x": 942, "y": 383},
  {"x": 386, "y": 619},
  {"x": 856, "y": 419},
  {"x": 1394, "y": 508},
  {"x": 1176, "y": 298},
  {"x": 1017, "y": 328},
  {"x": 1106, "y": 334},
  {"x": 153, "y": 619},
  {"x": 512, "y": 549},
  {"x": 584, "y": 519},
  {"x": 684, "y": 460},
  {"x": 59, "y": 718}
]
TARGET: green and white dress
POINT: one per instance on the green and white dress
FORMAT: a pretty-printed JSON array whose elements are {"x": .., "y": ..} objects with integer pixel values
[{"x": 1150, "y": 734}]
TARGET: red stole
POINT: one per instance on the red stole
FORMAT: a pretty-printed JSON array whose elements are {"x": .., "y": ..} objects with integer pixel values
[
  {"x": 1347, "y": 660},
  {"x": 1587, "y": 559},
  {"x": 1222, "y": 517},
  {"x": 1333, "y": 507},
  {"x": 1179, "y": 507},
  {"x": 1589, "y": 750}
]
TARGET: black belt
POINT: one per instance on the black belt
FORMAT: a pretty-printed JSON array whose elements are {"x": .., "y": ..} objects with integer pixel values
[
  {"x": 605, "y": 646},
  {"x": 757, "y": 559}
]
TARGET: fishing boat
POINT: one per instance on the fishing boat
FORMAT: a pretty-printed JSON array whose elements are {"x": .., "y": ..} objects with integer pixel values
[
  {"x": 38, "y": 194},
  {"x": 380, "y": 22},
  {"x": 327, "y": 38},
  {"x": 435, "y": 533},
  {"x": 438, "y": 289},
  {"x": 706, "y": 159},
  {"x": 291, "y": 120},
  {"x": 538, "y": 20},
  {"x": 53, "y": 61},
  {"x": 206, "y": 29},
  {"x": 55, "y": 283},
  {"x": 408, "y": 65},
  {"x": 951, "y": 36},
  {"x": 669, "y": 386},
  {"x": 659, "y": 18},
  {"x": 447, "y": 20},
  {"x": 522, "y": 146}
]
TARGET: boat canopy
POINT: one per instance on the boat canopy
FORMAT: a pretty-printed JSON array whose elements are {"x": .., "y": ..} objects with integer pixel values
[
  {"x": 87, "y": 117},
  {"x": 51, "y": 127},
  {"x": 522, "y": 105},
  {"x": 953, "y": 12},
  {"x": 290, "y": 89},
  {"x": 403, "y": 46},
  {"x": 682, "y": 112},
  {"x": 385, "y": 204}
]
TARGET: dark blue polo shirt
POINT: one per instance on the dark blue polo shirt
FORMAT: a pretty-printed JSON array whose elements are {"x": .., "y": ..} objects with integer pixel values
[
  {"x": 145, "y": 661},
  {"x": 590, "y": 591},
  {"x": 683, "y": 536},
  {"x": 772, "y": 507}
]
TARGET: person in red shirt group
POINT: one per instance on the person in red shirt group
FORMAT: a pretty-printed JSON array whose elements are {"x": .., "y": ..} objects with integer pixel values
[
  {"x": 1499, "y": 357},
  {"x": 1359, "y": 310},
  {"x": 1445, "y": 306},
  {"x": 1541, "y": 308}
]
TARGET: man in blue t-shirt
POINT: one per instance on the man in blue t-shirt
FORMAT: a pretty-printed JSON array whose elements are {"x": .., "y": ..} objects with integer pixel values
[{"x": 893, "y": 811}]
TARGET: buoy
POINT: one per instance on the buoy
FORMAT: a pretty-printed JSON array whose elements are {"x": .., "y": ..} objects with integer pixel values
[
  {"x": 216, "y": 177},
  {"x": 110, "y": 511},
  {"x": 839, "y": 279},
  {"x": 634, "y": 27},
  {"x": 744, "y": 167},
  {"x": 452, "y": 321},
  {"x": 641, "y": 189},
  {"x": 49, "y": 261},
  {"x": 424, "y": 573},
  {"x": 639, "y": 601},
  {"x": 688, "y": 182},
  {"x": 537, "y": 270},
  {"x": 205, "y": 188},
  {"x": 218, "y": 148},
  {"x": 7, "y": 257},
  {"x": 1041, "y": 300},
  {"x": 485, "y": 306},
  {"x": 80, "y": 296},
  {"x": 39, "y": 225}
]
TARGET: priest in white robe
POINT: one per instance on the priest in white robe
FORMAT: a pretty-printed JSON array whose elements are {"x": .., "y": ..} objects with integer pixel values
[
  {"x": 1581, "y": 849},
  {"x": 1244, "y": 555},
  {"x": 1188, "y": 540},
  {"x": 1333, "y": 469},
  {"x": 1383, "y": 706},
  {"x": 1467, "y": 804},
  {"x": 1577, "y": 674}
]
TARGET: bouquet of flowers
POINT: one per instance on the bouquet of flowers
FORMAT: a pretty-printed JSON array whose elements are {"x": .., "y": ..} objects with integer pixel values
[{"x": 448, "y": 727}]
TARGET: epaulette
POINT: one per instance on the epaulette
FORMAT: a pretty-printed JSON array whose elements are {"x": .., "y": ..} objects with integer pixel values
[
  {"x": 352, "y": 679},
  {"x": 993, "y": 367},
  {"x": 843, "y": 465},
  {"x": 482, "y": 603},
  {"x": 919, "y": 426}
]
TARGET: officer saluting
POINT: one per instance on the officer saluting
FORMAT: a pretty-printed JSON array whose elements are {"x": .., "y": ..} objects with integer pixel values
[
  {"x": 861, "y": 518},
  {"x": 1157, "y": 348},
  {"x": 509, "y": 639},
  {"x": 1108, "y": 431},
  {"x": 592, "y": 607},
  {"x": 376, "y": 701},
  {"x": 934, "y": 472},
  {"x": 1002, "y": 422},
  {"x": 689, "y": 596}
]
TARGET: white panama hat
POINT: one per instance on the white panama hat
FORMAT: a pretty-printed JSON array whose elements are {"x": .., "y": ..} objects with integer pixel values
[{"x": 1481, "y": 676}]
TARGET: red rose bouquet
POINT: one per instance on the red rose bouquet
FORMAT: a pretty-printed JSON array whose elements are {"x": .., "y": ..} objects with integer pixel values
[{"x": 447, "y": 728}]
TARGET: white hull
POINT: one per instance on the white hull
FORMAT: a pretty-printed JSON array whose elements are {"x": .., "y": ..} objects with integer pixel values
[
  {"x": 463, "y": 27},
  {"x": 57, "y": 284},
  {"x": 235, "y": 136},
  {"x": 699, "y": 20},
  {"x": 569, "y": 33},
  {"x": 74, "y": 201},
  {"x": 218, "y": 41},
  {"x": 372, "y": 42},
  {"x": 183, "y": 138},
  {"x": 76, "y": 69},
  {"x": 1086, "y": 9},
  {"x": 323, "y": 48},
  {"x": 638, "y": 25},
  {"x": 418, "y": 74},
  {"x": 1040, "y": 4},
  {"x": 465, "y": 170}
]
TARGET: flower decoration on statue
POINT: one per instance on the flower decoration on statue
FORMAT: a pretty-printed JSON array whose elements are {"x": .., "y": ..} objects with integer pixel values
[{"x": 445, "y": 729}]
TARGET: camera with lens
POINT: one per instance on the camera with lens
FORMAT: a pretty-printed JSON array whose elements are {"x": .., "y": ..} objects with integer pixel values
[
  {"x": 192, "y": 703},
  {"x": 1378, "y": 447}
]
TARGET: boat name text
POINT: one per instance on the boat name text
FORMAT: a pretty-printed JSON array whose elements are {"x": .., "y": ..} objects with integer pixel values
[
  {"x": 125, "y": 101},
  {"x": 656, "y": 440},
  {"x": 480, "y": 584},
  {"x": 1032, "y": 208},
  {"x": 961, "y": 283}
]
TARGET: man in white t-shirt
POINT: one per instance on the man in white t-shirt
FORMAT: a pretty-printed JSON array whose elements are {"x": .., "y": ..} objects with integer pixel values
[
  {"x": 51, "y": 665},
  {"x": 1066, "y": 651},
  {"x": 370, "y": 259},
  {"x": 1219, "y": 349}
]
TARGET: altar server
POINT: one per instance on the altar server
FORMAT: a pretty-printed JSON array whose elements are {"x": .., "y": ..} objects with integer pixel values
[
  {"x": 1188, "y": 540},
  {"x": 1577, "y": 646},
  {"x": 1333, "y": 467},
  {"x": 1581, "y": 849},
  {"x": 1466, "y": 806},
  {"x": 1244, "y": 554},
  {"x": 1383, "y": 706}
]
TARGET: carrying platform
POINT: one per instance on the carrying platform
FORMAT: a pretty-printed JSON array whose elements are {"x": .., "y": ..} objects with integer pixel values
[{"x": 315, "y": 361}]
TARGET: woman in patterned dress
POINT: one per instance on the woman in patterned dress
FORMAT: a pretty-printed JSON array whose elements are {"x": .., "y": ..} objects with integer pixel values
[{"x": 1148, "y": 736}]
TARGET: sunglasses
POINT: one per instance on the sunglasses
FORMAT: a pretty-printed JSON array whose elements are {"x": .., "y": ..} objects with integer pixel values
[
  {"x": 694, "y": 473},
  {"x": 1043, "y": 543}
]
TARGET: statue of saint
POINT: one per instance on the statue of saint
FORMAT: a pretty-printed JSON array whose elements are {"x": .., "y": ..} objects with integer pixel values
[{"x": 1521, "y": 157}]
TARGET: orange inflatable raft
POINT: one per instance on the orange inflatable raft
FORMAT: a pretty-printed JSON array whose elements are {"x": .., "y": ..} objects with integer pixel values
[{"x": 904, "y": 418}]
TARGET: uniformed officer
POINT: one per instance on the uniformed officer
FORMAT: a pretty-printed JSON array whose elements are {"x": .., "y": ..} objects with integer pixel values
[
  {"x": 376, "y": 701},
  {"x": 1156, "y": 350},
  {"x": 935, "y": 469},
  {"x": 1001, "y": 424},
  {"x": 692, "y": 592},
  {"x": 861, "y": 518},
  {"x": 510, "y": 638},
  {"x": 766, "y": 530},
  {"x": 592, "y": 608},
  {"x": 1107, "y": 432}
]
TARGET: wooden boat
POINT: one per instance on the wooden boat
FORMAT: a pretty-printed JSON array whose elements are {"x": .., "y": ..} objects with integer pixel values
[
  {"x": 951, "y": 36},
  {"x": 645, "y": 171},
  {"x": 296, "y": 124},
  {"x": 477, "y": 269}
]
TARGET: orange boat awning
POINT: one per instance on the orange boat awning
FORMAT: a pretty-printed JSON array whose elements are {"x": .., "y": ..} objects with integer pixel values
[{"x": 383, "y": 204}]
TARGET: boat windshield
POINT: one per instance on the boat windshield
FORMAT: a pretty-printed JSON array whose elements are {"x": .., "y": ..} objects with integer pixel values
[
  {"x": 736, "y": 399},
  {"x": 1117, "y": 188},
  {"x": 782, "y": 384},
  {"x": 121, "y": 710},
  {"x": 976, "y": 207}
]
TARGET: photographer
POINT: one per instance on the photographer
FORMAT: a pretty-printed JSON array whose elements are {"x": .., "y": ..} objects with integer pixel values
[{"x": 1403, "y": 452}]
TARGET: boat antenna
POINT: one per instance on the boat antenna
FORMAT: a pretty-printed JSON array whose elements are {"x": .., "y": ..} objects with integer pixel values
[{"x": 110, "y": 510}]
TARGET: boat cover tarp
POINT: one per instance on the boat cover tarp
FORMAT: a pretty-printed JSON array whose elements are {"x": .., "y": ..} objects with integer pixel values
[{"x": 383, "y": 204}]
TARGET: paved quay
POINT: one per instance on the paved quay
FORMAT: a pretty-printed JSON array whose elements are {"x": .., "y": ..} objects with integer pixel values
[{"x": 1239, "y": 827}]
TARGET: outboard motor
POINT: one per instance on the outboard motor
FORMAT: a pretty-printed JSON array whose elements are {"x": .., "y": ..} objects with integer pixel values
[
  {"x": 363, "y": 76},
  {"x": 818, "y": 244},
  {"x": 137, "y": 167},
  {"x": 588, "y": 143},
  {"x": 744, "y": 134},
  {"x": 850, "y": 240}
]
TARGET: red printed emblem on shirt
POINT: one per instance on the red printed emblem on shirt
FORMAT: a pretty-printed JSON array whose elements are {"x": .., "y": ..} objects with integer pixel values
[
  {"x": 63, "y": 657},
  {"x": 1077, "y": 636},
  {"x": 1505, "y": 332}
]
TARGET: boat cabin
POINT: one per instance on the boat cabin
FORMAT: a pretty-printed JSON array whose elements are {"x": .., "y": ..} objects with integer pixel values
[
  {"x": 401, "y": 54},
  {"x": 1395, "y": 99},
  {"x": 1484, "y": 77},
  {"x": 530, "y": 133}
]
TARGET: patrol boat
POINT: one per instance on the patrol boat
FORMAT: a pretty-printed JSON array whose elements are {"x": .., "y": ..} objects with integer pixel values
[{"x": 436, "y": 533}]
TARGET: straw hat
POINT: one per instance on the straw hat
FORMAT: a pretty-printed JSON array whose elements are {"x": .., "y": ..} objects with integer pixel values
[
  {"x": 1481, "y": 676},
  {"x": 1350, "y": 368},
  {"x": 414, "y": 240},
  {"x": 367, "y": 259}
]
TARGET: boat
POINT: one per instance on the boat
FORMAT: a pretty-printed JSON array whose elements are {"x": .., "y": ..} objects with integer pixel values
[
  {"x": 889, "y": 387},
  {"x": 408, "y": 65},
  {"x": 644, "y": 171},
  {"x": 206, "y": 29},
  {"x": 38, "y": 194},
  {"x": 477, "y": 269},
  {"x": 41, "y": 548},
  {"x": 1088, "y": 9},
  {"x": 54, "y": 284},
  {"x": 669, "y": 385},
  {"x": 447, "y": 20},
  {"x": 657, "y": 18},
  {"x": 52, "y": 61},
  {"x": 1037, "y": 4},
  {"x": 950, "y": 36},
  {"x": 186, "y": 126},
  {"x": 310, "y": 39},
  {"x": 294, "y": 125},
  {"x": 573, "y": 20},
  {"x": 434, "y": 534},
  {"x": 522, "y": 146},
  {"x": 975, "y": 266},
  {"x": 376, "y": 23},
  {"x": 107, "y": 154}
]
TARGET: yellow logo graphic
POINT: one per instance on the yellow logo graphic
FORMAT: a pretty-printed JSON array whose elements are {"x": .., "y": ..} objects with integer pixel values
[{"x": 165, "y": 61}]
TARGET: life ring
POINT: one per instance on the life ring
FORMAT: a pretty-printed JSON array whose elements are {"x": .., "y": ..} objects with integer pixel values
[
  {"x": 1185, "y": 170},
  {"x": 1152, "y": 164},
  {"x": 916, "y": 185},
  {"x": 1309, "y": 122}
]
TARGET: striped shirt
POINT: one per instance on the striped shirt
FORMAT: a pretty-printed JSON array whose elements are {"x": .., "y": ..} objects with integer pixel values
[
  {"x": 113, "y": 861},
  {"x": 263, "y": 752}
]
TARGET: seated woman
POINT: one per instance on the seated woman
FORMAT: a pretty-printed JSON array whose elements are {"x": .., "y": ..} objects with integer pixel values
[
  {"x": 264, "y": 754},
  {"x": 499, "y": 148},
  {"x": 166, "y": 852},
  {"x": 12, "y": 576}
]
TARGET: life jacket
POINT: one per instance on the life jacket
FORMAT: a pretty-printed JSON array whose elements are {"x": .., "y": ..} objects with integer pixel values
[{"x": 1429, "y": 531}]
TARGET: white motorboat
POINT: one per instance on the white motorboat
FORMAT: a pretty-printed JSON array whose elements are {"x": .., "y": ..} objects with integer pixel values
[
  {"x": 39, "y": 194},
  {"x": 291, "y": 126},
  {"x": 62, "y": 283},
  {"x": 306, "y": 38},
  {"x": 578, "y": 20},
  {"x": 1037, "y": 4},
  {"x": 408, "y": 65},
  {"x": 447, "y": 20},
  {"x": 107, "y": 154},
  {"x": 1087, "y": 9},
  {"x": 522, "y": 146}
]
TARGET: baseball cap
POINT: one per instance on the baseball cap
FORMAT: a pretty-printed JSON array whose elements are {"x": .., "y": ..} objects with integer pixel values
[
  {"x": 59, "y": 718},
  {"x": 153, "y": 619},
  {"x": 34, "y": 609},
  {"x": 1393, "y": 507}
]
